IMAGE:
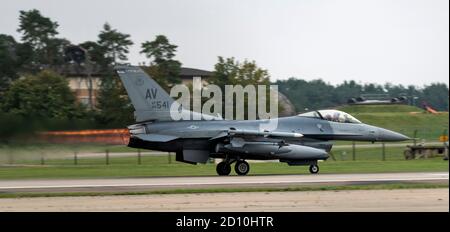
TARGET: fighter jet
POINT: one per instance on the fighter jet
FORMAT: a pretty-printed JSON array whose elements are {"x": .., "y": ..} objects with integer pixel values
[{"x": 303, "y": 139}]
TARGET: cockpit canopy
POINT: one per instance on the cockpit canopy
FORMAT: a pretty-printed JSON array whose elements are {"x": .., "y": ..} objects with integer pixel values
[{"x": 331, "y": 115}]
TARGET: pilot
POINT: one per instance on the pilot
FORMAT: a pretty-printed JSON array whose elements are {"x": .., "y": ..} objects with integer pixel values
[{"x": 336, "y": 117}]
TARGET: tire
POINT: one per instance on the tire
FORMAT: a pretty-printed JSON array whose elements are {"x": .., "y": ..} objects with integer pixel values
[
  {"x": 314, "y": 169},
  {"x": 223, "y": 169},
  {"x": 241, "y": 168}
]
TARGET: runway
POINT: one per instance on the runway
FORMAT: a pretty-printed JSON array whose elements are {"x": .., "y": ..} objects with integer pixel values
[
  {"x": 398, "y": 200},
  {"x": 158, "y": 183}
]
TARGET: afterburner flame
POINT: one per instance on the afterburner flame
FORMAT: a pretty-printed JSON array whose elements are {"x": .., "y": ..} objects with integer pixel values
[
  {"x": 109, "y": 136},
  {"x": 87, "y": 132}
]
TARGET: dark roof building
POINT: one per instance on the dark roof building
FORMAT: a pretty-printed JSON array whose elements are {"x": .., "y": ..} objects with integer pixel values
[
  {"x": 79, "y": 84},
  {"x": 74, "y": 70},
  {"x": 192, "y": 72}
]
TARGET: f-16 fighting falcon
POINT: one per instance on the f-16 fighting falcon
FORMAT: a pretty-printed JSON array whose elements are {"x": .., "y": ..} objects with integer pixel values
[{"x": 297, "y": 140}]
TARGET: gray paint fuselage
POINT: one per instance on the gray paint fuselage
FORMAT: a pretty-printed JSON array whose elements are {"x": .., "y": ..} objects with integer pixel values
[{"x": 317, "y": 133}]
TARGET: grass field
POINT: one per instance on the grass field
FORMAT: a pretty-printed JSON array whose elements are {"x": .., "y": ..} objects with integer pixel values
[
  {"x": 379, "y": 108},
  {"x": 159, "y": 166},
  {"x": 400, "y": 119}
]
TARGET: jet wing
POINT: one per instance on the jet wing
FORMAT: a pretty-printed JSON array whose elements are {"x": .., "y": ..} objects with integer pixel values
[{"x": 244, "y": 133}]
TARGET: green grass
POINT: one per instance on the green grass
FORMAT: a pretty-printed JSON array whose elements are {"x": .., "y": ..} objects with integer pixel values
[
  {"x": 398, "y": 118},
  {"x": 155, "y": 167},
  {"x": 429, "y": 126},
  {"x": 63, "y": 148},
  {"x": 379, "y": 108},
  {"x": 230, "y": 190},
  {"x": 369, "y": 154},
  {"x": 34, "y": 151},
  {"x": 368, "y": 160}
]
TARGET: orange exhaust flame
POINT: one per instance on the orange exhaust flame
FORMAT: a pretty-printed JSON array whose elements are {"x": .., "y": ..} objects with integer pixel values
[{"x": 108, "y": 136}]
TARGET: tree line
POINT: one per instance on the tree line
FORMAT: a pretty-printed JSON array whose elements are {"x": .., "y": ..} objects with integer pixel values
[
  {"x": 32, "y": 85},
  {"x": 317, "y": 94}
]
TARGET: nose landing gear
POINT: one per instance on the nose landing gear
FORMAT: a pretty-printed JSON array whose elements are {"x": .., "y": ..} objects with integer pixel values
[{"x": 314, "y": 168}]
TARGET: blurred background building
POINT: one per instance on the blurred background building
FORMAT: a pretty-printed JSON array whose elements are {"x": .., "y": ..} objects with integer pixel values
[{"x": 78, "y": 78}]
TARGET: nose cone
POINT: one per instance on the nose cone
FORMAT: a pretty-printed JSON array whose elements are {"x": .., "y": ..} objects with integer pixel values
[{"x": 390, "y": 136}]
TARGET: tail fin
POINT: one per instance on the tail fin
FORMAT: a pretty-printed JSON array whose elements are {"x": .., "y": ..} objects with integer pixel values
[{"x": 150, "y": 101}]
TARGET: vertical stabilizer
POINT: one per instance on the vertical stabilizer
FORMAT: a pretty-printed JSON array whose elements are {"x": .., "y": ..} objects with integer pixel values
[{"x": 150, "y": 101}]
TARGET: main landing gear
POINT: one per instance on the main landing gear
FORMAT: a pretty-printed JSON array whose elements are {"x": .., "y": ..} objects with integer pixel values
[
  {"x": 241, "y": 167},
  {"x": 223, "y": 169}
]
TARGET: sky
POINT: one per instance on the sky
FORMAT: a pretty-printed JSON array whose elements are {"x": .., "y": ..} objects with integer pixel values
[{"x": 370, "y": 41}]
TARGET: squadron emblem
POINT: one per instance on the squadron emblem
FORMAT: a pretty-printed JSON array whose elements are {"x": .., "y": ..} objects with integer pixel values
[{"x": 139, "y": 81}]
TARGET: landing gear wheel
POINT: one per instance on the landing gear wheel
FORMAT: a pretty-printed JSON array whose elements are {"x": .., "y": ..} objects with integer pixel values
[
  {"x": 223, "y": 169},
  {"x": 314, "y": 169},
  {"x": 242, "y": 168}
]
